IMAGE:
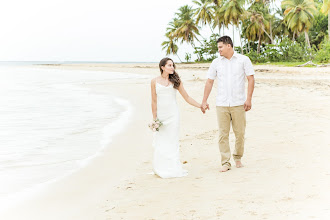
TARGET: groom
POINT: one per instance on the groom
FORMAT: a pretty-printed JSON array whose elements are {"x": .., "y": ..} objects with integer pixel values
[{"x": 230, "y": 70}]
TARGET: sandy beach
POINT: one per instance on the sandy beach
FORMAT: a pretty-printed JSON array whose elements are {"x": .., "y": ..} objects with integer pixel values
[{"x": 286, "y": 173}]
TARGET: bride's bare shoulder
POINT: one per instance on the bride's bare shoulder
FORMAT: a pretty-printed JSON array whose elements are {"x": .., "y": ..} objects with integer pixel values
[{"x": 154, "y": 80}]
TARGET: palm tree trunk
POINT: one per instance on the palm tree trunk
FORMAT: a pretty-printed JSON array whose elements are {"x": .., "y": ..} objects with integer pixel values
[
  {"x": 270, "y": 23},
  {"x": 259, "y": 42},
  {"x": 211, "y": 29},
  {"x": 249, "y": 48},
  {"x": 293, "y": 36},
  {"x": 307, "y": 39},
  {"x": 329, "y": 24},
  {"x": 246, "y": 46},
  {"x": 271, "y": 38},
  {"x": 271, "y": 31},
  {"x": 178, "y": 57},
  {"x": 193, "y": 44},
  {"x": 240, "y": 40},
  {"x": 233, "y": 35}
]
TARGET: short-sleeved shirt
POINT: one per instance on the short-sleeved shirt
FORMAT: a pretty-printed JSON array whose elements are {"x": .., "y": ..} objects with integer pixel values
[{"x": 231, "y": 78}]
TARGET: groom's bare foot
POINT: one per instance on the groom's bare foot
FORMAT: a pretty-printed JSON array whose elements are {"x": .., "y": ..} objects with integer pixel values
[
  {"x": 239, "y": 164},
  {"x": 224, "y": 169}
]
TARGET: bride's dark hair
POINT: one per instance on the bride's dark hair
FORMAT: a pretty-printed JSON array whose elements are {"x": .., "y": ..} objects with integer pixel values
[{"x": 174, "y": 78}]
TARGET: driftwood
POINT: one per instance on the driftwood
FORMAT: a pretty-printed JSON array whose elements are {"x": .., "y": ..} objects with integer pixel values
[{"x": 313, "y": 64}]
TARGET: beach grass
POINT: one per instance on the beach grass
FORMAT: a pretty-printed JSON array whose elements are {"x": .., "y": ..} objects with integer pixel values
[{"x": 284, "y": 64}]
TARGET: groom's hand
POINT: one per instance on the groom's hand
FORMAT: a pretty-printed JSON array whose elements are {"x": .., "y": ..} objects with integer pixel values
[
  {"x": 205, "y": 106},
  {"x": 247, "y": 105}
]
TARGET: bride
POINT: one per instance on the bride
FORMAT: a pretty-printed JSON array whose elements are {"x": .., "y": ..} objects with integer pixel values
[{"x": 166, "y": 160}]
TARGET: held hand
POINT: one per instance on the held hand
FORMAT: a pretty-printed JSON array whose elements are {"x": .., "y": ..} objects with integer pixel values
[
  {"x": 205, "y": 106},
  {"x": 203, "y": 110},
  {"x": 247, "y": 105}
]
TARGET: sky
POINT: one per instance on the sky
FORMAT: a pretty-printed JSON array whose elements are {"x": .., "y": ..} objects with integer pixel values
[{"x": 86, "y": 30}]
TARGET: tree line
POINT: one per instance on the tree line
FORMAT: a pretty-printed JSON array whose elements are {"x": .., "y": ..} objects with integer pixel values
[{"x": 301, "y": 26}]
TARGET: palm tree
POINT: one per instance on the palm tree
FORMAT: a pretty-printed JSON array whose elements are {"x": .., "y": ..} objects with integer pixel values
[
  {"x": 218, "y": 20},
  {"x": 299, "y": 15},
  {"x": 233, "y": 12},
  {"x": 204, "y": 12},
  {"x": 171, "y": 47},
  {"x": 326, "y": 10},
  {"x": 260, "y": 14},
  {"x": 171, "y": 29},
  {"x": 256, "y": 28},
  {"x": 281, "y": 29},
  {"x": 270, "y": 17},
  {"x": 187, "y": 29}
]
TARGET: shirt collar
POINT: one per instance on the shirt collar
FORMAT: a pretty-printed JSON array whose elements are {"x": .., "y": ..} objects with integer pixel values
[{"x": 234, "y": 55}]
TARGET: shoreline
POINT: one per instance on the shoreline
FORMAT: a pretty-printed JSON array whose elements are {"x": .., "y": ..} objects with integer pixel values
[
  {"x": 117, "y": 184},
  {"x": 68, "y": 182},
  {"x": 108, "y": 132}
]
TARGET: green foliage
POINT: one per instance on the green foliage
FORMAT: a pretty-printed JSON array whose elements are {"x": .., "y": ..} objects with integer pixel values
[
  {"x": 187, "y": 30},
  {"x": 292, "y": 33},
  {"x": 284, "y": 63},
  {"x": 256, "y": 57},
  {"x": 319, "y": 30},
  {"x": 325, "y": 7},
  {"x": 294, "y": 51},
  {"x": 187, "y": 57},
  {"x": 299, "y": 14},
  {"x": 204, "y": 12},
  {"x": 232, "y": 11},
  {"x": 286, "y": 51},
  {"x": 271, "y": 52},
  {"x": 323, "y": 55},
  {"x": 208, "y": 49}
]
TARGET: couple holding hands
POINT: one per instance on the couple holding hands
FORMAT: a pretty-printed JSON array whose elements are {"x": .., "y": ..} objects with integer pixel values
[{"x": 230, "y": 69}]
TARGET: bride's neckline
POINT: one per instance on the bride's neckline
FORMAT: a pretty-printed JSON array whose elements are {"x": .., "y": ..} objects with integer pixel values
[{"x": 171, "y": 84}]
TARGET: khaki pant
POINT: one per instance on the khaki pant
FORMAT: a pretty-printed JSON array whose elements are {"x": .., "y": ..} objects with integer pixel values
[{"x": 236, "y": 116}]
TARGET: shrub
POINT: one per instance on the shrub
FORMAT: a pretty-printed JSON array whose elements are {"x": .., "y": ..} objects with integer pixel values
[{"x": 323, "y": 55}]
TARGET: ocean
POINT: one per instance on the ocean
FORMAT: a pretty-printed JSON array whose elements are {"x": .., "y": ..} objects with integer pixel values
[{"x": 51, "y": 124}]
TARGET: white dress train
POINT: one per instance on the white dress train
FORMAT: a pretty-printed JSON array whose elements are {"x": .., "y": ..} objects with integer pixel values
[{"x": 166, "y": 160}]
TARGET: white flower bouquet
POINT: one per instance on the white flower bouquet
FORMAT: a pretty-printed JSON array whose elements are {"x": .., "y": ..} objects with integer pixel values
[{"x": 155, "y": 125}]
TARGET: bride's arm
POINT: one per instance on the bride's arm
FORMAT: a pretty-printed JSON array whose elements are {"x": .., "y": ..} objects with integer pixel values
[
  {"x": 153, "y": 99},
  {"x": 187, "y": 98}
]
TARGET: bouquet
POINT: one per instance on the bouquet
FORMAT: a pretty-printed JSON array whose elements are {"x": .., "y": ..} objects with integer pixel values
[{"x": 155, "y": 125}]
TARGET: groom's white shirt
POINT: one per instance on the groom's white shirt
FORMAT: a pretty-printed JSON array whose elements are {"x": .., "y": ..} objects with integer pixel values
[{"x": 231, "y": 78}]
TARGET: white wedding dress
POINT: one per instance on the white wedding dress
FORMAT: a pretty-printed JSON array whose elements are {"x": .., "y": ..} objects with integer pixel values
[{"x": 166, "y": 161}]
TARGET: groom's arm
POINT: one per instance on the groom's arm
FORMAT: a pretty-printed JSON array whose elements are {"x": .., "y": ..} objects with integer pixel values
[
  {"x": 248, "y": 102},
  {"x": 249, "y": 72},
  {"x": 207, "y": 91}
]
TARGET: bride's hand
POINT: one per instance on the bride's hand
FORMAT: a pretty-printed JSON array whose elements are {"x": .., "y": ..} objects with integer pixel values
[
  {"x": 202, "y": 109},
  {"x": 205, "y": 106}
]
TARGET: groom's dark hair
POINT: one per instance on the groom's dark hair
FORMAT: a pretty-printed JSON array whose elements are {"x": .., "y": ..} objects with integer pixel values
[{"x": 225, "y": 40}]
